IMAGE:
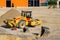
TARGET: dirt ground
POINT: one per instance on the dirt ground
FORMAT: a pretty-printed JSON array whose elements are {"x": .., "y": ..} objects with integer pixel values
[{"x": 50, "y": 17}]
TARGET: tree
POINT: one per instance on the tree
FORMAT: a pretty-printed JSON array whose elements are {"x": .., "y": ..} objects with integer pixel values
[{"x": 52, "y": 3}]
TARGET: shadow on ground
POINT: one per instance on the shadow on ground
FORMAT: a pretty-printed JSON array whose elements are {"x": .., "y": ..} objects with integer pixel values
[{"x": 5, "y": 26}]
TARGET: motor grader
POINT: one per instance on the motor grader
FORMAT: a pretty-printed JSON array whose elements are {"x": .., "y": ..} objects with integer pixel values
[{"x": 25, "y": 20}]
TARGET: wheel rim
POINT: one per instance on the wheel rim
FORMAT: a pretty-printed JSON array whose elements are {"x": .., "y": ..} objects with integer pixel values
[{"x": 22, "y": 24}]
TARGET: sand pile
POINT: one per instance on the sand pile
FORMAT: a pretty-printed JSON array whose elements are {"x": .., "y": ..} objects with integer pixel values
[
  {"x": 9, "y": 37},
  {"x": 8, "y": 15}
]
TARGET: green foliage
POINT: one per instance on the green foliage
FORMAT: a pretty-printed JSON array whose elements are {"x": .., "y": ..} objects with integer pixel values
[{"x": 52, "y": 2}]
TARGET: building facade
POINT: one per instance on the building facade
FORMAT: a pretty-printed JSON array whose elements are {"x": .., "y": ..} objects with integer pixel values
[
  {"x": 58, "y": 4},
  {"x": 23, "y": 3}
]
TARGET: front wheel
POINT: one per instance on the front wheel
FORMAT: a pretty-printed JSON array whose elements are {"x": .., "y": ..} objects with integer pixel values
[{"x": 21, "y": 24}]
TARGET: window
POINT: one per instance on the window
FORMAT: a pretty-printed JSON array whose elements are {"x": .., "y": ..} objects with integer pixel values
[
  {"x": 33, "y": 3},
  {"x": 8, "y": 3},
  {"x": 28, "y": 15},
  {"x": 36, "y": 2},
  {"x": 30, "y": 2}
]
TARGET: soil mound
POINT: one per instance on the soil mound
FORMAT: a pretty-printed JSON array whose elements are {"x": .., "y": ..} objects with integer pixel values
[{"x": 8, "y": 15}]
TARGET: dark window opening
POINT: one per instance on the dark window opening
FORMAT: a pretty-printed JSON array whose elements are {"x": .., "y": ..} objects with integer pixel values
[
  {"x": 36, "y": 2},
  {"x": 33, "y": 3},
  {"x": 59, "y": 4},
  {"x": 8, "y": 3},
  {"x": 28, "y": 15},
  {"x": 30, "y": 2}
]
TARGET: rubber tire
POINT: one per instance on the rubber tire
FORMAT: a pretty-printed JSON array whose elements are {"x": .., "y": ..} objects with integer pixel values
[{"x": 20, "y": 22}]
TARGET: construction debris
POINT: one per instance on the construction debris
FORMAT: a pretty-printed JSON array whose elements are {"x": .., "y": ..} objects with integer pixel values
[{"x": 44, "y": 31}]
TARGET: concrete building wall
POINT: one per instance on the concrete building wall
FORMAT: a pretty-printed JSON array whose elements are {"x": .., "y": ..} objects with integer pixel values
[
  {"x": 17, "y": 3},
  {"x": 20, "y": 3},
  {"x": 42, "y": 1},
  {"x": 2, "y": 3}
]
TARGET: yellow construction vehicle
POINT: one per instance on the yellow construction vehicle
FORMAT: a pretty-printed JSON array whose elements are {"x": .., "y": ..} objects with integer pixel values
[{"x": 24, "y": 20}]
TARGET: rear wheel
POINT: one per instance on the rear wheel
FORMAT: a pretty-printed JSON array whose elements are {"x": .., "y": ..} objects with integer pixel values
[{"x": 21, "y": 24}]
